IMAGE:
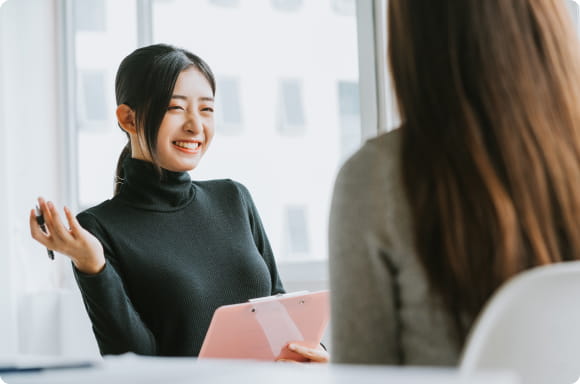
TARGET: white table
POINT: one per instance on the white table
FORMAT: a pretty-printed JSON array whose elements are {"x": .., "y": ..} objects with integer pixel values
[{"x": 149, "y": 370}]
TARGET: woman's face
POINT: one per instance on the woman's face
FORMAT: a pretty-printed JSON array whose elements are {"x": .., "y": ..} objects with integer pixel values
[{"x": 188, "y": 125}]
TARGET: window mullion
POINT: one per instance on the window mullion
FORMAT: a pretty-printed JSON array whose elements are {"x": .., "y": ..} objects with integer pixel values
[
  {"x": 144, "y": 22},
  {"x": 67, "y": 86},
  {"x": 375, "y": 102}
]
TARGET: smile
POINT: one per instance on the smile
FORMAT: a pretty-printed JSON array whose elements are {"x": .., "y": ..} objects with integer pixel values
[{"x": 187, "y": 146}]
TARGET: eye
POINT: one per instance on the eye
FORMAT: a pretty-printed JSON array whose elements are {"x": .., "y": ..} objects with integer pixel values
[
  {"x": 207, "y": 109},
  {"x": 174, "y": 107}
]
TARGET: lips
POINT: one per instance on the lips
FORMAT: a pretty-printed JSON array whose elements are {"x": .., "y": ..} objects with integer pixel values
[{"x": 188, "y": 146}]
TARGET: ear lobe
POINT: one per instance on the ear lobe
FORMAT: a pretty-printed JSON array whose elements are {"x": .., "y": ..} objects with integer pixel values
[{"x": 126, "y": 118}]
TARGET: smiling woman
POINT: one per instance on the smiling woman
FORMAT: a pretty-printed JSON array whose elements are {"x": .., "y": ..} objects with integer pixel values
[{"x": 147, "y": 261}]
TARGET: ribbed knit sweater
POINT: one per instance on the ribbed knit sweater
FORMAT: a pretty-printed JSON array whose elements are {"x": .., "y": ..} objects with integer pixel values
[{"x": 175, "y": 251}]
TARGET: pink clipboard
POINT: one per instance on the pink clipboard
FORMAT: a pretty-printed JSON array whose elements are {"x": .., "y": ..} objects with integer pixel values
[{"x": 261, "y": 328}]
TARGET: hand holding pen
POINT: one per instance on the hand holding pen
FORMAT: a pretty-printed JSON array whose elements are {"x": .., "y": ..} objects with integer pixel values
[
  {"x": 84, "y": 249},
  {"x": 40, "y": 222}
]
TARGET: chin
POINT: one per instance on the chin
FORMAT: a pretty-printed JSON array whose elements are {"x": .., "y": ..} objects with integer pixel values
[
  {"x": 179, "y": 163},
  {"x": 186, "y": 167},
  {"x": 179, "y": 167}
]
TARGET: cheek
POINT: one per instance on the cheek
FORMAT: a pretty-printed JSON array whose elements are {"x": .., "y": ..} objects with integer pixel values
[{"x": 209, "y": 132}]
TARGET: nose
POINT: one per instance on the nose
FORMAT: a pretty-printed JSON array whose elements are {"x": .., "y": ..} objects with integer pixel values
[{"x": 193, "y": 123}]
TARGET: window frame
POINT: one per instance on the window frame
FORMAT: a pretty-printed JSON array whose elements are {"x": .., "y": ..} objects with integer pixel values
[{"x": 67, "y": 92}]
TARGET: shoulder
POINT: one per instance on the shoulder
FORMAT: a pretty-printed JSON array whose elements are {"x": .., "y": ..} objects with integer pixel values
[
  {"x": 386, "y": 145},
  {"x": 376, "y": 162},
  {"x": 227, "y": 189},
  {"x": 221, "y": 185},
  {"x": 368, "y": 194},
  {"x": 91, "y": 218}
]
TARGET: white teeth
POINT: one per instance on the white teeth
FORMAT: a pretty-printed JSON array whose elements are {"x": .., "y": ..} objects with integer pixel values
[{"x": 186, "y": 144}]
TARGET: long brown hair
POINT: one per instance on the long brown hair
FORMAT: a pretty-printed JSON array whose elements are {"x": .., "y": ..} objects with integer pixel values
[{"x": 489, "y": 97}]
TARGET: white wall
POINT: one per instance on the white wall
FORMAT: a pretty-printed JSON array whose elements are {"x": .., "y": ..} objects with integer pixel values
[
  {"x": 7, "y": 303},
  {"x": 30, "y": 143}
]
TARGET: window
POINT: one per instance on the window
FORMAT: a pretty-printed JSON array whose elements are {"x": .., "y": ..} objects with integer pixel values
[
  {"x": 228, "y": 110},
  {"x": 90, "y": 15},
  {"x": 296, "y": 231},
  {"x": 97, "y": 54},
  {"x": 287, "y": 149},
  {"x": 281, "y": 129},
  {"x": 290, "y": 108},
  {"x": 225, "y": 3},
  {"x": 344, "y": 7},
  {"x": 92, "y": 108},
  {"x": 574, "y": 9},
  {"x": 349, "y": 110},
  {"x": 287, "y": 5}
]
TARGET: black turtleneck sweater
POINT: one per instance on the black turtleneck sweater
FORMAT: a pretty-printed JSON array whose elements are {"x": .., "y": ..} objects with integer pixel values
[{"x": 175, "y": 250}]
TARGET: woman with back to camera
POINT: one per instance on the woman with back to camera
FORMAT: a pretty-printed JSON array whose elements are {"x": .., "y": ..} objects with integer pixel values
[
  {"x": 155, "y": 261},
  {"x": 480, "y": 182}
]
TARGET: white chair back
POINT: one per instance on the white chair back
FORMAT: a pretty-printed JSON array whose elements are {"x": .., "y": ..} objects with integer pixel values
[{"x": 531, "y": 325}]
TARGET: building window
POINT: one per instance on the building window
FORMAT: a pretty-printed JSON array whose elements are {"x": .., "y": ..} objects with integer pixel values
[
  {"x": 296, "y": 231},
  {"x": 574, "y": 9},
  {"x": 349, "y": 120},
  {"x": 98, "y": 54},
  {"x": 344, "y": 7},
  {"x": 92, "y": 100},
  {"x": 90, "y": 15},
  {"x": 225, "y": 3},
  {"x": 228, "y": 108},
  {"x": 290, "y": 108},
  {"x": 287, "y": 5}
]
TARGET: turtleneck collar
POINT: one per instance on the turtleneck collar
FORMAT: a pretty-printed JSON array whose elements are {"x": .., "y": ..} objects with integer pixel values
[{"x": 144, "y": 188}]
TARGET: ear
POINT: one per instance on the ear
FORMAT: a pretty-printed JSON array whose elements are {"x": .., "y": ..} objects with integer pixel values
[{"x": 126, "y": 119}]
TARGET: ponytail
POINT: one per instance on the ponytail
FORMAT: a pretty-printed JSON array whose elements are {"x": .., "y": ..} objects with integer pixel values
[{"x": 120, "y": 173}]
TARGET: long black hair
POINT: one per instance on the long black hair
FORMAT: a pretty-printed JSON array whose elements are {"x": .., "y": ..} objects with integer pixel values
[{"x": 145, "y": 81}]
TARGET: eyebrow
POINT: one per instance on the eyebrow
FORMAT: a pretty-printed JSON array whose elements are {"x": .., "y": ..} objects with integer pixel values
[{"x": 182, "y": 97}]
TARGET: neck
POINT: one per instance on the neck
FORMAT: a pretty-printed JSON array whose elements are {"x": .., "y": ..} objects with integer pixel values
[{"x": 149, "y": 187}]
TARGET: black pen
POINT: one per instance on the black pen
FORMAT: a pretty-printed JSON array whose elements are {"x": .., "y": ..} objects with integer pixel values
[{"x": 40, "y": 221}]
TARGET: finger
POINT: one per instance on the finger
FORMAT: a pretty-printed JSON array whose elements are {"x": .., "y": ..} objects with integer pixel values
[
  {"x": 75, "y": 227},
  {"x": 42, "y": 206},
  {"x": 313, "y": 354},
  {"x": 304, "y": 351},
  {"x": 320, "y": 357},
  {"x": 44, "y": 211},
  {"x": 54, "y": 223},
  {"x": 35, "y": 230}
]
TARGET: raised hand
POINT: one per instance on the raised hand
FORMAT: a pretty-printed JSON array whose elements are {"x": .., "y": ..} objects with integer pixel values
[{"x": 85, "y": 250}]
